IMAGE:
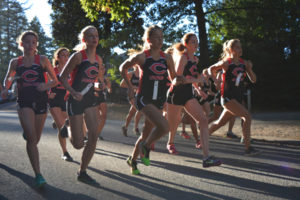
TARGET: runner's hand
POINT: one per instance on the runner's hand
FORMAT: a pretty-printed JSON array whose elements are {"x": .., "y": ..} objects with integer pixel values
[
  {"x": 41, "y": 87},
  {"x": 77, "y": 96}
]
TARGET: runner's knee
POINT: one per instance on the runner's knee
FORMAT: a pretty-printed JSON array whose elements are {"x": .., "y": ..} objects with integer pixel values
[
  {"x": 202, "y": 120},
  {"x": 247, "y": 117},
  {"x": 78, "y": 144}
]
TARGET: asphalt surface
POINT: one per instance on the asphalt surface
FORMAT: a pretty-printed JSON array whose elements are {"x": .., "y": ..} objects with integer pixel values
[{"x": 274, "y": 174}]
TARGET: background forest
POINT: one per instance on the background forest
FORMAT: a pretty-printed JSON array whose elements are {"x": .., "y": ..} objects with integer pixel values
[{"x": 269, "y": 31}]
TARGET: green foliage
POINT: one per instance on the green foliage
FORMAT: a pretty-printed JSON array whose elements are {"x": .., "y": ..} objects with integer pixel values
[
  {"x": 180, "y": 17},
  {"x": 268, "y": 32},
  {"x": 45, "y": 43},
  {"x": 12, "y": 23},
  {"x": 114, "y": 72},
  {"x": 69, "y": 18},
  {"x": 118, "y": 9}
]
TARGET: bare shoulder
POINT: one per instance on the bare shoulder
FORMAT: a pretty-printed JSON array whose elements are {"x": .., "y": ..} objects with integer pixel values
[
  {"x": 13, "y": 63},
  {"x": 76, "y": 57},
  {"x": 168, "y": 56},
  {"x": 44, "y": 60},
  {"x": 138, "y": 58},
  {"x": 99, "y": 58},
  {"x": 222, "y": 63}
]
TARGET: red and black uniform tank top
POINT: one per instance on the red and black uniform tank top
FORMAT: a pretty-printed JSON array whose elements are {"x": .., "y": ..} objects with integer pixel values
[
  {"x": 134, "y": 80},
  {"x": 59, "y": 89},
  {"x": 153, "y": 77},
  {"x": 191, "y": 70},
  {"x": 85, "y": 73},
  {"x": 29, "y": 78},
  {"x": 232, "y": 79}
]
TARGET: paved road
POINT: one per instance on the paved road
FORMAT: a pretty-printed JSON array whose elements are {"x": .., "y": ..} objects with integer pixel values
[{"x": 275, "y": 174}]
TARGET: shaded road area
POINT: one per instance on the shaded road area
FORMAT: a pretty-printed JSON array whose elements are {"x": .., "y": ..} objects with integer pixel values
[{"x": 275, "y": 174}]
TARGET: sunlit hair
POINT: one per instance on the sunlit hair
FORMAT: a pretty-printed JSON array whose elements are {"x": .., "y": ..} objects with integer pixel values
[
  {"x": 82, "y": 45},
  {"x": 22, "y": 37},
  {"x": 205, "y": 72},
  {"x": 169, "y": 50},
  {"x": 131, "y": 52},
  {"x": 180, "y": 47},
  {"x": 56, "y": 55},
  {"x": 148, "y": 33},
  {"x": 226, "y": 48}
]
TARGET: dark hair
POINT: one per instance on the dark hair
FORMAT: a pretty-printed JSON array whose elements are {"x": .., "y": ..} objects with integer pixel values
[
  {"x": 23, "y": 35},
  {"x": 185, "y": 39},
  {"x": 56, "y": 55}
]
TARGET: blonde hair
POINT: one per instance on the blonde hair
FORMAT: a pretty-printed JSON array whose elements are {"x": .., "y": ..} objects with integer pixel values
[
  {"x": 131, "y": 52},
  {"x": 180, "y": 47},
  {"x": 226, "y": 48},
  {"x": 82, "y": 45},
  {"x": 56, "y": 55},
  {"x": 148, "y": 33},
  {"x": 205, "y": 72},
  {"x": 169, "y": 50},
  {"x": 22, "y": 36}
]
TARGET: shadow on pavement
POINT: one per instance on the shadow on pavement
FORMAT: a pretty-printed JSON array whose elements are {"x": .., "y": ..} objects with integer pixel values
[
  {"x": 48, "y": 192},
  {"x": 160, "y": 190},
  {"x": 245, "y": 164}
]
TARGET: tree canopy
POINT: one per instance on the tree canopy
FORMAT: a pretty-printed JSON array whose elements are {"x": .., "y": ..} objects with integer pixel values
[
  {"x": 269, "y": 32},
  {"x": 12, "y": 23}
]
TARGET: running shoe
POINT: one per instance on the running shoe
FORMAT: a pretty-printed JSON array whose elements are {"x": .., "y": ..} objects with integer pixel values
[
  {"x": 85, "y": 139},
  {"x": 211, "y": 161},
  {"x": 251, "y": 152},
  {"x": 198, "y": 145},
  {"x": 124, "y": 130},
  {"x": 185, "y": 135},
  {"x": 66, "y": 156},
  {"x": 242, "y": 140},
  {"x": 145, "y": 154},
  {"x": 54, "y": 125},
  {"x": 67, "y": 122},
  {"x": 133, "y": 165},
  {"x": 171, "y": 149},
  {"x": 64, "y": 132},
  {"x": 230, "y": 134},
  {"x": 137, "y": 132},
  {"x": 40, "y": 181},
  {"x": 85, "y": 178}
]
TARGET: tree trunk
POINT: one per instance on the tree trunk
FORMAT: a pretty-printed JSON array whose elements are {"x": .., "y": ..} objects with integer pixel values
[{"x": 204, "y": 55}]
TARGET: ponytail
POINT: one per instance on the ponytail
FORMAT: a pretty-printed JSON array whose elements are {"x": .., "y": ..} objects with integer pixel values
[{"x": 180, "y": 47}]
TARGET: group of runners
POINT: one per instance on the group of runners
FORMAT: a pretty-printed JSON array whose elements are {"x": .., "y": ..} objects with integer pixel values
[{"x": 76, "y": 88}]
